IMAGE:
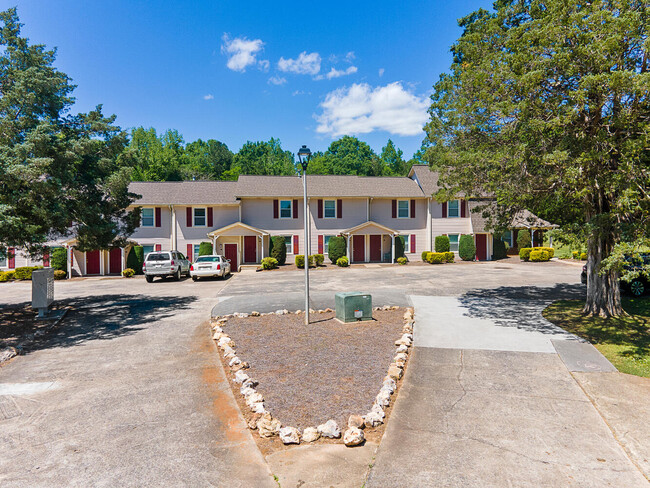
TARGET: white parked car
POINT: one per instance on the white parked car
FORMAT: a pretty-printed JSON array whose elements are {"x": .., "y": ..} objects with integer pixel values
[{"x": 210, "y": 265}]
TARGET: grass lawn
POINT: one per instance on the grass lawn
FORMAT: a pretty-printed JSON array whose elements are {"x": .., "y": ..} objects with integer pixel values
[{"x": 624, "y": 340}]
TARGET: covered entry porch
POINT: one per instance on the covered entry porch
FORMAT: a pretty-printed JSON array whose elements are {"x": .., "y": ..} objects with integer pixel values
[
  {"x": 370, "y": 242},
  {"x": 99, "y": 262},
  {"x": 240, "y": 243}
]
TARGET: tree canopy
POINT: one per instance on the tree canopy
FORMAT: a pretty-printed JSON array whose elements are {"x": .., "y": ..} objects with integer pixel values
[{"x": 546, "y": 107}]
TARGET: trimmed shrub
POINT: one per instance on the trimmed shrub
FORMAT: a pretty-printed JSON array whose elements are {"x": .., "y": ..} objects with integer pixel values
[
  {"x": 576, "y": 254},
  {"x": 300, "y": 261},
  {"x": 549, "y": 250},
  {"x": 539, "y": 254},
  {"x": 205, "y": 248},
  {"x": 442, "y": 244},
  {"x": 135, "y": 259},
  {"x": 436, "y": 258},
  {"x": 498, "y": 249},
  {"x": 59, "y": 259},
  {"x": 7, "y": 275},
  {"x": 59, "y": 274},
  {"x": 402, "y": 260},
  {"x": 583, "y": 256},
  {"x": 466, "y": 247},
  {"x": 319, "y": 259},
  {"x": 523, "y": 239},
  {"x": 343, "y": 262},
  {"x": 269, "y": 263},
  {"x": 524, "y": 253},
  {"x": 424, "y": 255},
  {"x": 128, "y": 273},
  {"x": 399, "y": 246},
  {"x": 336, "y": 248},
  {"x": 449, "y": 257},
  {"x": 25, "y": 272},
  {"x": 278, "y": 249}
]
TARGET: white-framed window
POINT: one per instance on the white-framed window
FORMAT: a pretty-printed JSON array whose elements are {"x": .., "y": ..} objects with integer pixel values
[
  {"x": 200, "y": 216},
  {"x": 453, "y": 208},
  {"x": 3, "y": 259},
  {"x": 507, "y": 237},
  {"x": 326, "y": 244},
  {"x": 147, "y": 249},
  {"x": 286, "y": 209},
  {"x": 288, "y": 242},
  {"x": 195, "y": 251},
  {"x": 329, "y": 209},
  {"x": 403, "y": 209},
  {"x": 147, "y": 218},
  {"x": 407, "y": 243},
  {"x": 453, "y": 242}
]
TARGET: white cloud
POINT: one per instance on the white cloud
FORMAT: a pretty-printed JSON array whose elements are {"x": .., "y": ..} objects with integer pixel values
[
  {"x": 300, "y": 92},
  {"x": 264, "y": 65},
  {"x": 277, "y": 80},
  {"x": 209, "y": 96},
  {"x": 242, "y": 52},
  {"x": 361, "y": 108},
  {"x": 349, "y": 57},
  {"x": 305, "y": 64},
  {"x": 381, "y": 72},
  {"x": 337, "y": 73}
]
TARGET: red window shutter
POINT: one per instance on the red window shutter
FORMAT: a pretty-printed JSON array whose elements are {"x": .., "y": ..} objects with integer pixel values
[
  {"x": 158, "y": 216},
  {"x": 412, "y": 249},
  {"x": 210, "y": 217},
  {"x": 339, "y": 209},
  {"x": 394, "y": 209},
  {"x": 463, "y": 213},
  {"x": 412, "y": 209},
  {"x": 295, "y": 245},
  {"x": 276, "y": 211},
  {"x": 444, "y": 210},
  {"x": 189, "y": 252},
  {"x": 11, "y": 254},
  {"x": 320, "y": 244},
  {"x": 320, "y": 208},
  {"x": 295, "y": 209},
  {"x": 158, "y": 247},
  {"x": 46, "y": 259},
  {"x": 188, "y": 216}
]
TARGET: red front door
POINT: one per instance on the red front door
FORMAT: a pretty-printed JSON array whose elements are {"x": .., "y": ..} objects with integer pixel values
[
  {"x": 115, "y": 261},
  {"x": 250, "y": 249},
  {"x": 481, "y": 247},
  {"x": 358, "y": 248},
  {"x": 92, "y": 262},
  {"x": 375, "y": 248},
  {"x": 230, "y": 253}
]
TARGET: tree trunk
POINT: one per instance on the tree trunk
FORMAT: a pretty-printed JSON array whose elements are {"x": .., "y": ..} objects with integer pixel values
[{"x": 603, "y": 291}]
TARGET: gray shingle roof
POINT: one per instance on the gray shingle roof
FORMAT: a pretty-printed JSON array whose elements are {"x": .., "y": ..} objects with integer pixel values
[
  {"x": 527, "y": 219},
  {"x": 428, "y": 179},
  {"x": 480, "y": 223},
  {"x": 184, "y": 192}
]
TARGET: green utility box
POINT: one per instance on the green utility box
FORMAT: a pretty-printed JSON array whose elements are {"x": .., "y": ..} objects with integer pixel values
[{"x": 352, "y": 306}]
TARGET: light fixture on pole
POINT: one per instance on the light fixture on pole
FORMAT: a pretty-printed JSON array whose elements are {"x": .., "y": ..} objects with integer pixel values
[{"x": 304, "y": 155}]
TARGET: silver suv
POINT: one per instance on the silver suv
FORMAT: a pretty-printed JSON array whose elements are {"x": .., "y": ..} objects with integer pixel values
[{"x": 165, "y": 263}]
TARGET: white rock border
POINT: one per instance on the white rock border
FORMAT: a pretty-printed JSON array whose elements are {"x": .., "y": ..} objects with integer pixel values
[{"x": 268, "y": 426}]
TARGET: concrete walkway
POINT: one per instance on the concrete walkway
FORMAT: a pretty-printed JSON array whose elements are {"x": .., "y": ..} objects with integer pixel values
[{"x": 488, "y": 401}]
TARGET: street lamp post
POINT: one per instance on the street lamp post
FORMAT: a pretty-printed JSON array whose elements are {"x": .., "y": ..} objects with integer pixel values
[{"x": 304, "y": 155}]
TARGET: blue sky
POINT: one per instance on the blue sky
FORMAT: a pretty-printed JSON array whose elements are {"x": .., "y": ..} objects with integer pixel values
[{"x": 304, "y": 72}]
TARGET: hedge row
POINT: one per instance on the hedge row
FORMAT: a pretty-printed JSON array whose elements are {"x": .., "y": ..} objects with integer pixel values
[
  {"x": 19, "y": 274},
  {"x": 537, "y": 254},
  {"x": 438, "y": 257}
]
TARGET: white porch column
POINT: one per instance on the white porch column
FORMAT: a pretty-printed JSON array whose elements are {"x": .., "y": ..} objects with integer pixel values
[
  {"x": 122, "y": 264},
  {"x": 550, "y": 241},
  {"x": 262, "y": 255},
  {"x": 214, "y": 244},
  {"x": 392, "y": 248},
  {"x": 532, "y": 237},
  {"x": 101, "y": 262},
  {"x": 70, "y": 258},
  {"x": 348, "y": 249},
  {"x": 173, "y": 237},
  {"x": 429, "y": 236}
]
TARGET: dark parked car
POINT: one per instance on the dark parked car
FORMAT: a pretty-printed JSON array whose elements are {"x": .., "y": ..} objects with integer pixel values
[{"x": 638, "y": 286}]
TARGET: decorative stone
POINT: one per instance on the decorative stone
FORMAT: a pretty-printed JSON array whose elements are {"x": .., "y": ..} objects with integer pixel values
[
  {"x": 240, "y": 377},
  {"x": 391, "y": 383},
  {"x": 254, "y": 398},
  {"x": 408, "y": 315},
  {"x": 353, "y": 437},
  {"x": 234, "y": 361},
  {"x": 289, "y": 435},
  {"x": 386, "y": 307},
  {"x": 246, "y": 390},
  {"x": 329, "y": 429},
  {"x": 373, "y": 419},
  {"x": 328, "y": 310},
  {"x": 217, "y": 336},
  {"x": 395, "y": 372},
  {"x": 355, "y": 422},
  {"x": 400, "y": 357},
  {"x": 255, "y": 314},
  {"x": 394, "y": 307},
  {"x": 400, "y": 364},
  {"x": 298, "y": 312},
  {"x": 257, "y": 407},
  {"x": 240, "y": 366},
  {"x": 383, "y": 398},
  {"x": 268, "y": 426},
  {"x": 404, "y": 340},
  {"x": 402, "y": 348},
  {"x": 378, "y": 409},
  {"x": 229, "y": 353},
  {"x": 387, "y": 388},
  {"x": 252, "y": 423},
  {"x": 216, "y": 328},
  {"x": 281, "y": 312},
  {"x": 407, "y": 329},
  {"x": 249, "y": 382},
  {"x": 311, "y": 310},
  {"x": 310, "y": 434},
  {"x": 224, "y": 341}
]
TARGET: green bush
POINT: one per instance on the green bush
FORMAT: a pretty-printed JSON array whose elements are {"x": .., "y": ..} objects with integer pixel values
[
  {"x": 442, "y": 244},
  {"x": 576, "y": 254},
  {"x": 128, "y": 272},
  {"x": 436, "y": 258},
  {"x": 583, "y": 256},
  {"x": 7, "y": 275},
  {"x": 449, "y": 257},
  {"x": 319, "y": 259},
  {"x": 399, "y": 246},
  {"x": 498, "y": 248},
  {"x": 59, "y": 274},
  {"x": 466, "y": 247},
  {"x": 25, "y": 272},
  {"x": 336, "y": 248},
  {"x": 135, "y": 259},
  {"x": 205, "y": 248},
  {"x": 278, "y": 249},
  {"x": 523, "y": 239},
  {"x": 343, "y": 262},
  {"x": 300, "y": 261},
  {"x": 402, "y": 260},
  {"x": 59, "y": 259},
  {"x": 539, "y": 254},
  {"x": 524, "y": 253},
  {"x": 269, "y": 263},
  {"x": 549, "y": 250},
  {"x": 424, "y": 255}
]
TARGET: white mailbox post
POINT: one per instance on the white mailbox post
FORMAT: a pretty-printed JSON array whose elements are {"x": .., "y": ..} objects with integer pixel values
[{"x": 42, "y": 290}]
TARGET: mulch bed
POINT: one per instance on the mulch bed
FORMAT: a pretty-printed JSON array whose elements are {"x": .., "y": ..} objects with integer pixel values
[
  {"x": 310, "y": 374},
  {"x": 16, "y": 323}
]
